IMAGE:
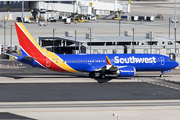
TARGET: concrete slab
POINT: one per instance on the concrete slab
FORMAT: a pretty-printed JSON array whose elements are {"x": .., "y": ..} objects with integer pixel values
[{"x": 126, "y": 110}]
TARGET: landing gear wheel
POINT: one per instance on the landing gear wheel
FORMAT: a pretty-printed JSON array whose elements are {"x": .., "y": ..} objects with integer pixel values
[
  {"x": 92, "y": 75},
  {"x": 161, "y": 75},
  {"x": 102, "y": 76}
]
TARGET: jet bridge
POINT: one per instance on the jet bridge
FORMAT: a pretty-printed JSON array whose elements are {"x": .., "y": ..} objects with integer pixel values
[
  {"x": 84, "y": 7},
  {"x": 56, "y": 8}
]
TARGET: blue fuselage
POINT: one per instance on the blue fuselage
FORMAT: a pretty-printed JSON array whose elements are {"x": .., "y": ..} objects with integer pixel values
[{"x": 141, "y": 62}]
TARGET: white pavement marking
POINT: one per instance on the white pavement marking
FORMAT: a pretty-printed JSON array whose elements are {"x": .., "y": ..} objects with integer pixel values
[
  {"x": 159, "y": 84},
  {"x": 94, "y": 110}
]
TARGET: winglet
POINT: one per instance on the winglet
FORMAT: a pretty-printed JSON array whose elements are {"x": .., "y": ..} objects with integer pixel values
[{"x": 108, "y": 61}]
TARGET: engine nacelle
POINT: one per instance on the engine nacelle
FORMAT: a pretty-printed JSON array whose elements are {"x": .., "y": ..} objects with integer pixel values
[{"x": 126, "y": 72}]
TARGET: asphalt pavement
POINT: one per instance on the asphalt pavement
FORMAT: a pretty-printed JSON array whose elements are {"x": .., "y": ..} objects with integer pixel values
[{"x": 30, "y": 84}]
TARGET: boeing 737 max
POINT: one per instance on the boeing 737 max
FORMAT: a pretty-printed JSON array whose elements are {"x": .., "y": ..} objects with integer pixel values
[{"x": 124, "y": 65}]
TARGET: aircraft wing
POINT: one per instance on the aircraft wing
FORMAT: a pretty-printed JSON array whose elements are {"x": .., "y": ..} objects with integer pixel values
[
  {"x": 121, "y": 71},
  {"x": 109, "y": 67}
]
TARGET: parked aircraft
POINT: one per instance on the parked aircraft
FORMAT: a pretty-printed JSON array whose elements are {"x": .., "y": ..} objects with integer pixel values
[{"x": 123, "y": 65}]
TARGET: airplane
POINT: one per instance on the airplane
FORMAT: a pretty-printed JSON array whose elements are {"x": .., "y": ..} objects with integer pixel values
[{"x": 123, "y": 65}]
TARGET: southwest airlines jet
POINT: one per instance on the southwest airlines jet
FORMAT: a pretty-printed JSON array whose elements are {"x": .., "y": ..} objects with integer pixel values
[{"x": 123, "y": 65}]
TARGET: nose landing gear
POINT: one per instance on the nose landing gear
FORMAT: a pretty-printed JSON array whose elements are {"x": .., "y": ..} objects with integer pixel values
[{"x": 161, "y": 75}]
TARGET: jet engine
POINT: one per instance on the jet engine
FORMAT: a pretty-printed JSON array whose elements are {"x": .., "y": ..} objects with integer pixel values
[{"x": 126, "y": 71}]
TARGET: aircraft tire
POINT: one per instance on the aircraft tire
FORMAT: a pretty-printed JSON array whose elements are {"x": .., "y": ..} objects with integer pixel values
[
  {"x": 102, "y": 76},
  {"x": 92, "y": 75}
]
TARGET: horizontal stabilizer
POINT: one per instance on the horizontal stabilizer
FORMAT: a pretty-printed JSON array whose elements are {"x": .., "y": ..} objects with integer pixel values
[{"x": 15, "y": 56}]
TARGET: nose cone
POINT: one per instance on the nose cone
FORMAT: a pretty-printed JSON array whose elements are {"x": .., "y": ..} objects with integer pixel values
[{"x": 176, "y": 64}]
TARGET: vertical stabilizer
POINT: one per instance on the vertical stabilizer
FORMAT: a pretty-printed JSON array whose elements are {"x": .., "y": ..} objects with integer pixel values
[
  {"x": 42, "y": 57},
  {"x": 27, "y": 43}
]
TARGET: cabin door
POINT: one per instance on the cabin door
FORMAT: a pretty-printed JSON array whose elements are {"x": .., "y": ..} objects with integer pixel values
[{"x": 162, "y": 61}]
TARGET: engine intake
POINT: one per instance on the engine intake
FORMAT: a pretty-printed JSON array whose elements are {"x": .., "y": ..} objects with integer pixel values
[{"x": 126, "y": 72}]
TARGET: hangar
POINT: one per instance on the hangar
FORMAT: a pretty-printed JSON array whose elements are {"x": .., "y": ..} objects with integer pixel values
[{"x": 109, "y": 44}]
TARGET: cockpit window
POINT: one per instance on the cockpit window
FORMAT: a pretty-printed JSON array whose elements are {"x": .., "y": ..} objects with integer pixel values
[{"x": 170, "y": 59}]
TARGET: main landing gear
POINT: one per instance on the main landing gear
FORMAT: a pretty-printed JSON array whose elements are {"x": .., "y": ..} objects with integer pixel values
[
  {"x": 92, "y": 75},
  {"x": 102, "y": 76}
]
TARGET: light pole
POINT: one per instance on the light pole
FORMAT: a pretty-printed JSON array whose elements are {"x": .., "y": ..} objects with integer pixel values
[
  {"x": 73, "y": 7},
  {"x": 175, "y": 17},
  {"x": 119, "y": 27},
  {"x": 90, "y": 39},
  {"x": 169, "y": 26},
  {"x": 4, "y": 36},
  {"x": 75, "y": 41},
  {"x": 22, "y": 11},
  {"x": 150, "y": 42},
  {"x": 116, "y": 115},
  {"x": 53, "y": 39},
  {"x": 133, "y": 51},
  {"x": 11, "y": 39}
]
